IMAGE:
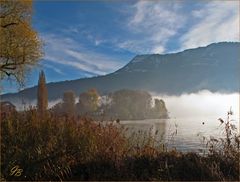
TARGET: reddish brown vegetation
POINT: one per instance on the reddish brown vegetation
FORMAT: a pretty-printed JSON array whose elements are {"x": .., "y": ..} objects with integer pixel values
[{"x": 64, "y": 148}]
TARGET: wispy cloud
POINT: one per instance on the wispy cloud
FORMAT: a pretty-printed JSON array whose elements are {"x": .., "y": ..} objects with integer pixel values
[
  {"x": 95, "y": 60},
  {"x": 57, "y": 70},
  {"x": 85, "y": 32},
  {"x": 216, "y": 21},
  {"x": 148, "y": 27},
  {"x": 153, "y": 24},
  {"x": 66, "y": 51}
]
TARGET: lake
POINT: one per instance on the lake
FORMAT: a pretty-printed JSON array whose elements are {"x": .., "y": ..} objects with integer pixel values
[
  {"x": 193, "y": 116},
  {"x": 188, "y": 112},
  {"x": 184, "y": 134}
]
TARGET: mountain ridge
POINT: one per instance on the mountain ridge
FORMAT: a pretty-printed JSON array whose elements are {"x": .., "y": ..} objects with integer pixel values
[{"x": 187, "y": 71}]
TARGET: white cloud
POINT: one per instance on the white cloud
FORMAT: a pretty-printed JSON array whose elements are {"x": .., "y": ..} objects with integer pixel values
[
  {"x": 153, "y": 24},
  {"x": 150, "y": 27},
  {"x": 158, "y": 49},
  {"x": 66, "y": 51},
  {"x": 216, "y": 22},
  {"x": 74, "y": 64},
  {"x": 53, "y": 68},
  {"x": 86, "y": 32},
  {"x": 95, "y": 60}
]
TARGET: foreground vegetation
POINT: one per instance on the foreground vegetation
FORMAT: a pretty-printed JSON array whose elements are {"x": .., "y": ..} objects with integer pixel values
[{"x": 34, "y": 147}]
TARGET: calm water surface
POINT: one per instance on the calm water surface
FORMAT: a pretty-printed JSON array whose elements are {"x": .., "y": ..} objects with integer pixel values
[
  {"x": 193, "y": 116},
  {"x": 184, "y": 134}
]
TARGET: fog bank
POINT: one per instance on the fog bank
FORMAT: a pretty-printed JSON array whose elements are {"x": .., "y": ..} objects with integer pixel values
[{"x": 204, "y": 104}]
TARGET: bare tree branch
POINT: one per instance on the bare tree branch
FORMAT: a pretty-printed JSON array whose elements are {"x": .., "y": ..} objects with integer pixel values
[{"x": 9, "y": 24}]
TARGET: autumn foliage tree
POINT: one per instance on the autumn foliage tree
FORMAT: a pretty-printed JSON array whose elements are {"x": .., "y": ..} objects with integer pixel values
[
  {"x": 129, "y": 104},
  {"x": 42, "y": 101},
  {"x": 88, "y": 101},
  {"x": 134, "y": 104},
  {"x": 20, "y": 46}
]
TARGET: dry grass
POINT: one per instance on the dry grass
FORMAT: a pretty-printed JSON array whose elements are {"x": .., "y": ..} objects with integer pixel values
[{"x": 64, "y": 148}]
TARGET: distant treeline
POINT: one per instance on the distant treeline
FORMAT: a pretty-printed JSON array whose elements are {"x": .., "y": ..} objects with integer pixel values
[{"x": 122, "y": 104}]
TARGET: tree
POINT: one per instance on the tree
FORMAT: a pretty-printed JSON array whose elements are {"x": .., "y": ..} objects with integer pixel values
[
  {"x": 69, "y": 103},
  {"x": 20, "y": 47},
  {"x": 88, "y": 101},
  {"x": 42, "y": 102},
  {"x": 160, "y": 109},
  {"x": 130, "y": 104},
  {"x": 134, "y": 104}
]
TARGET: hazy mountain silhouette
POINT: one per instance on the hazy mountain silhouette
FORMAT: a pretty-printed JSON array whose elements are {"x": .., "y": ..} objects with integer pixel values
[{"x": 214, "y": 67}]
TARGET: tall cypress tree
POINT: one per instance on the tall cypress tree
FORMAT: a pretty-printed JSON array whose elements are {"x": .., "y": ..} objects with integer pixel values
[{"x": 42, "y": 102}]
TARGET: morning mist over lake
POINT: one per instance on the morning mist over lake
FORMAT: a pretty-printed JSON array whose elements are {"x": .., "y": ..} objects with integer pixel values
[
  {"x": 194, "y": 104},
  {"x": 133, "y": 90},
  {"x": 185, "y": 105}
]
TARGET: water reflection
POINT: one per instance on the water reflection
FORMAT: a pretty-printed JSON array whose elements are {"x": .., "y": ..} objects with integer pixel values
[
  {"x": 184, "y": 134},
  {"x": 143, "y": 131}
]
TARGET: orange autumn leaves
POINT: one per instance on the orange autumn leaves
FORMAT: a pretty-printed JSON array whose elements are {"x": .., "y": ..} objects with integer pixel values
[{"x": 20, "y": 46}]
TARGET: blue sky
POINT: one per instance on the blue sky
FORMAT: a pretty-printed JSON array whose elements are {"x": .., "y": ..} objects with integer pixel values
[{"x": 88, "y": 38}]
